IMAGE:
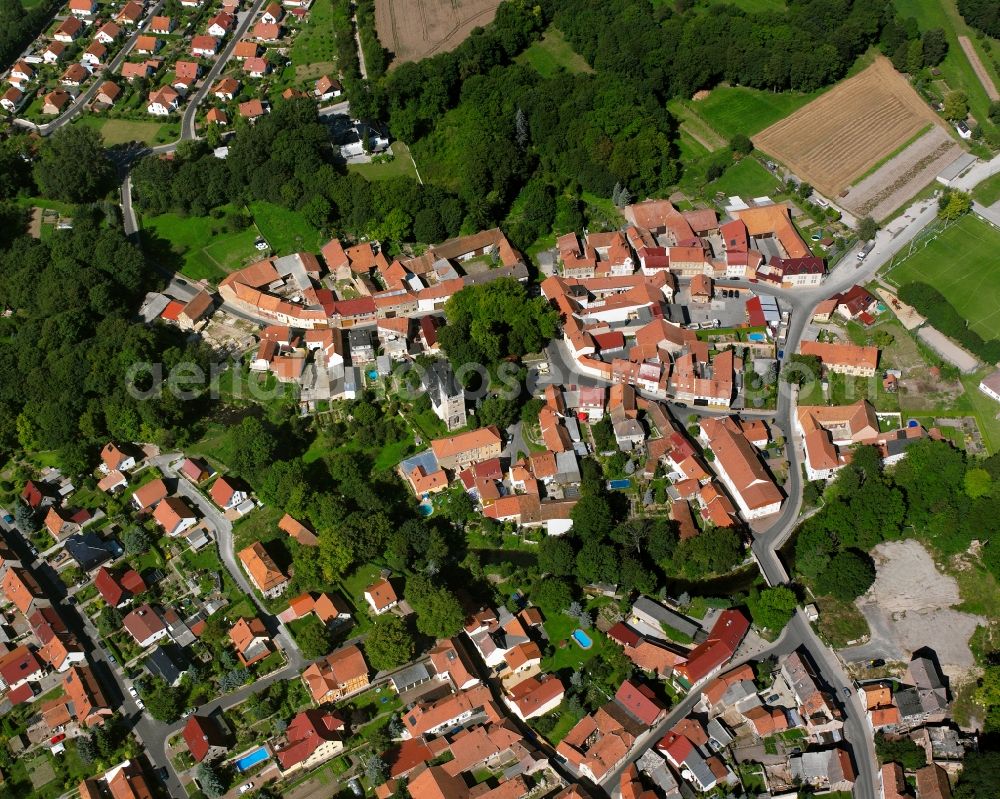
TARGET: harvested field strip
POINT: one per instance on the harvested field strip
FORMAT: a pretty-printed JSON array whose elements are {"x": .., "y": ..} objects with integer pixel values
[
  {"x": 414, "y": 29},
  {"x": 894, "y": 153},
  {"x": 849, "y": 129},
  {"x": 979, "y": 68},
  {"x": 893, "y": 183}
]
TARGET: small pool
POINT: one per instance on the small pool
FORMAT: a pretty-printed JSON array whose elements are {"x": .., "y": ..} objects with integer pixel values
[
  {"x": 252, "y": 759},
  {"x": 756, "y": 336},
  {"x": 582, "y": 639},
  {"x": 425, "y": 509},
  {"x": 881, "y": 307},
  {"x": 619, "y": 485},
  {"x": 913, "y": 423},
  {"x": 372, "y": 374}
]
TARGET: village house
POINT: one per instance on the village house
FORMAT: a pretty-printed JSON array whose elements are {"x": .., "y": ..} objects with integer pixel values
[
  {"x": 82, "y": 8},
  {"x": 204, "y": 46},
  {"x": 108, "y": 33},
  {"x": 74, "y": 75},
  {"x": 339, "y": 674},
  {"x": 130, "y": 14},
  {"x": 312, "y": 737},
  {"x": 12, "y": 99},
  {"x": 147, "y": 45},
  {"x": 55, "y": 101},
  {"x": 161, "y": 25},
  {"x": 824, "y": 770},
  {"x": 175, "y": 516},
  {"x": 228, "y": 493},
  {"x": 847, "y": 359},
  {"x": 146, "y": 497},
  {"x": 464, "y": 449},
  {"x": 68, "y": 31},
  {"x": 164, "y": 101},
  {"x": 118, "y": 590},
  {"x": 381, "y": 596},
  {"x": 108, "y": 93},
  {"x": 145, "y": 625},
  {"x": 328, "y": 88},
  {"x": 250, "y": 640},
  {"x": 221, "y": 24},
  {"x": 740, "y": 468},
  {"x": 432, "y": 717},
  {"x": 94, "y": 55},
  {"x": 204, "y": 738},
  {"x": 263, "y": 571}
]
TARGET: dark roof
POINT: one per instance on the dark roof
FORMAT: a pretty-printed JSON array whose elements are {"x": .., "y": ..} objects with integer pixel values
[
  {"x": 88, "y": 549},
  {"x": 167, "y": 661}
]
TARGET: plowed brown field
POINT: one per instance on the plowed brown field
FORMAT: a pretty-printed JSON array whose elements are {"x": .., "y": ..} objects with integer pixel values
[
  {"x": 843, "y": 133},
  {"x": 414, "y": 29}
]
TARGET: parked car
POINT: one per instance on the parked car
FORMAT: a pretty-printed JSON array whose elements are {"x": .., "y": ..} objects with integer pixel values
[
  {"x": 246, "y": 787},
  {"x": 139, "y": 704},
  {"x": 847, "y": 692},
  {"x": 132, "y": 692}
]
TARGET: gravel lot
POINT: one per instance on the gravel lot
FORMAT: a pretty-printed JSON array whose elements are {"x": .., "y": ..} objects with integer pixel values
[{"x": 911, "y": 605}]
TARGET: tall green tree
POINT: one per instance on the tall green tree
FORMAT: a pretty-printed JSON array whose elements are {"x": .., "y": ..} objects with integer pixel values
[{"x": 73, "y": 165}]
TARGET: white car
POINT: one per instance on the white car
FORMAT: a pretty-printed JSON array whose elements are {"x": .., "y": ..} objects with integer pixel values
[
  {"x": 139, "y": 704},
  {"x": 132, "y": 692},
  {"x": 246, "y": 787}
]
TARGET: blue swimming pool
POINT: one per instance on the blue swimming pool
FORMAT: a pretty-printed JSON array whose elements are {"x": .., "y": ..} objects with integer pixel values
[
  {"x": 582, "y": 639},
  {"x": 252, "y": 759},
  {"x": 619, "y": 485},
  {"x": 372, "y": 374},
  {"x": 755, "y": 336},
  {"x": 913, "y": 423},
  {"x": 425, "y": 509}
]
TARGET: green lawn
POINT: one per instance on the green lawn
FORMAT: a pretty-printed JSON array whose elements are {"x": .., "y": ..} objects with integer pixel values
[
  {"x": 759, "y": 5},
  {"x": 988, "y": 192},
  {"x": 962, "y": 264},
  {"x": 568, "y": 654},
  {"x": 553, "y": 53},
  {"x": 201, "y": 245},
  {"x": 956, "y": 69},
  {"x": 315, "y": 46},
  {"x": 120, "y": 131},
  {"x": 286, "y": 231},
  {"x": 747, "y": 179},
  {"x": 400, "y": 166},
  {"x": 731, "y": 110}
]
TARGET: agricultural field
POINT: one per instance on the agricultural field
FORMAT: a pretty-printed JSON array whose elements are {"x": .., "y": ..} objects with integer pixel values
[
  {"x": 553, "y": 53},
  {"x": 961, "y": 263},
  {"x": 415, "y": 29},
  {"x": 849, "y": 129}
]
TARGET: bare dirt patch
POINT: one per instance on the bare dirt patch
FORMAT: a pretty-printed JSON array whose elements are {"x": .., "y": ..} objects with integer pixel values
[
  {"x": 911, "y": 605},
  {"x": 845, "y": 132},
  {"x": 902, "y": 176},
  {"x": 415, "y": 29},
  {"x": 979, "y": 68}
]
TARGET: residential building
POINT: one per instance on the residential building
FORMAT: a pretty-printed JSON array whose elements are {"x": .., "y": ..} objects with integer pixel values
[
  {"x": 535, "y": 696},
  {"x": 145, "y": 625},
  {"x": 163, "y": 101},
  {"x": 430, "y": 718},
  {"x": 451, "y": 663},
  {"x": 298, "y": 531},
  {"x": 990, "y": 385},
  {"x": 312, "y": 737},
  {"x": 250, "y": 639},
  {"x": 263, "y": 571},
  {"x": 381, "y": 596},
  {"x": 740, "y": 468},
  {"x": 824, "y": 770},
  {"x": 118, "y": 590},
  {"x": 464, "y": 449},
  {"x": 847, "y": 359},
  {"x": 339, "y": 674},
  {"x": 228, "y": 493},
  {"x": 204, "y": 738},
  {"x": 711, "y": 655},
  {"x": 175, "y": 516},
  {"x": 146, "y": 497}
]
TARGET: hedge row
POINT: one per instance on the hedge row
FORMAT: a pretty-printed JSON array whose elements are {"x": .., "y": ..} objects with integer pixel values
[{"x": 942, "y": 315}]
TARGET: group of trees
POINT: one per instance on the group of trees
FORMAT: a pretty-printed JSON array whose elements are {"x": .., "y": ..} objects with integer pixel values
[
  {"x": 934, "y": 491},
  {"x": 285, "y": 159},
  {"x": 18, "y": 27},
  {"x": 940, "y": 313},
  {"x": 908, "y": 48},
  {"x": 981, "y": 14}
]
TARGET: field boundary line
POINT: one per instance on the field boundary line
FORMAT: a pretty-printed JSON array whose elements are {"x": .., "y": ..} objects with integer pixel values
[{"x": 979, "y": 68}]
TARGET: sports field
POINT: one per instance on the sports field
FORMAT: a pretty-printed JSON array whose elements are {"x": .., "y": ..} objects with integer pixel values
[{"x": 962, "y": 264}]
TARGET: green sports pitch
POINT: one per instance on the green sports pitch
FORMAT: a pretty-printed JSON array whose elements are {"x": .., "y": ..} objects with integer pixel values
[{"x": 963, "y": 263}]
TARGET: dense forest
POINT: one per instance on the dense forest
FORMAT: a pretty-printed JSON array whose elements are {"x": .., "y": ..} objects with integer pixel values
[
  {"x": 18, "y": 27},
  {"x": 982, "y": 14}
]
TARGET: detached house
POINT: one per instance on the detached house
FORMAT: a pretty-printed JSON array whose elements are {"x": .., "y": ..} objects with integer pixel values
[
  {"x": 328, "y": 88},
  {"x": 204, "y": 46},
  {"x": 130, "y": 14},
  {"x": 147, "y": 45},
  {"x": 220, "y": 24},
  {"x": 204, "y": 738},
  {"x": 227, "y": 493},
  {"x": 163, "y": 101},
  {"x": 339, "y": 674},
  {"x": 82, "y": 8},
  {"x": 146, "y": 497},
  {"x": 145, "y": 625},
  {"x": 226, "y": 88},
  {"x": 161, "y": 25},
  {"x": 250, "y": 640},
  {"x": 55, "y": 101},
  {"x": 53, "y": 52},
  {"x": 68, "y": 31},
  {"x": 256, "y": 67},
  {"x": 94, "y": 55},
  {"x": 11, "y": 99},
  {"x": 263, "y": 571},
  {"x": 108, "y": 33},
  {"x": 381, "y": 596},
  {"x": 21, "y": 72},
  {"x": 273, "y": 14},
  {"x": 113, "y": 458},
  {"x": 175, "y": 516},
  {"x": 74, "y": 75},
  {"x": 313, "y": 737},
  {"x": 185, "y": 75}
]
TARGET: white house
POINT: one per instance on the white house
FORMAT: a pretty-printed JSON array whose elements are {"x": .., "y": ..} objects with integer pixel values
[
  {"x": 163, "y": 101},
  {"x": 990, "y": 385}
]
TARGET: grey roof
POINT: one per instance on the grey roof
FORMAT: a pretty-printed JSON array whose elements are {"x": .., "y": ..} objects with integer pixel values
[
  {"x": 167, "y": 662},
  {"x": 440, "y": 383},
  {"x": 923, "y": 673},
  {"x": 644, "y": 606},
  {"x": 573, "y": 427},
  {"x": 360, "y": 337},
  {"x": 717, "y": 730},
  {"x": 567, "y": 467},
  {"x": 699, "y": 767},
  {"x": 410, "y": 676},
  {"x": 655, "y": 766}
]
